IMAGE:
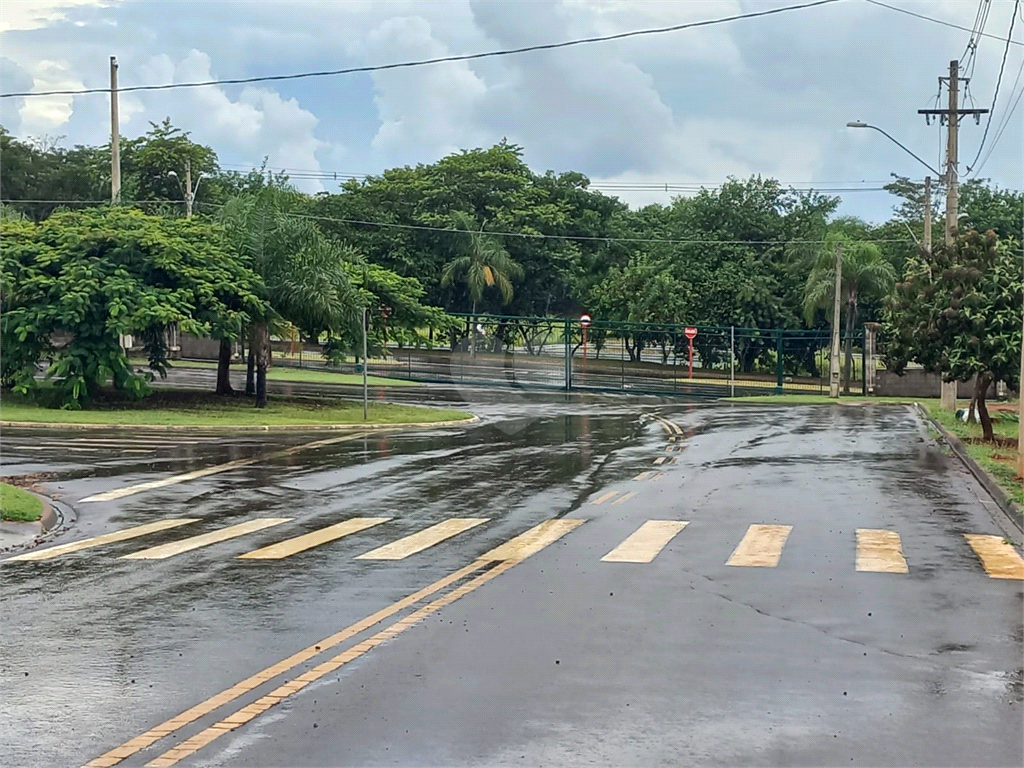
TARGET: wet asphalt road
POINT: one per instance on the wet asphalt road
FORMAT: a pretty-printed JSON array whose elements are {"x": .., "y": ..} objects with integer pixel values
[{"x": 562, "y": 659}]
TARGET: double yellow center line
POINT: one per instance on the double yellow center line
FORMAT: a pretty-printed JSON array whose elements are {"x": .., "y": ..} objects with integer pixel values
[{"x": 506, "y": 556}]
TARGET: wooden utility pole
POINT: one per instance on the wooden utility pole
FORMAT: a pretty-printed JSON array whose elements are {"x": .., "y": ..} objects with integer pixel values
[
  {"x": 951, "y": 117},
  {"x": 928, "y": 214},
  {"x": 833, "y": 381},
  {"x": 115, "y": 137}
]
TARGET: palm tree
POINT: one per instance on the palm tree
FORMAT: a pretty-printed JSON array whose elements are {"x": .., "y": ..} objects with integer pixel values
[
  {"x": 481, "y": 262},
  {"x": 865, "y": 272},
  {"x": 304, "y": 273}
]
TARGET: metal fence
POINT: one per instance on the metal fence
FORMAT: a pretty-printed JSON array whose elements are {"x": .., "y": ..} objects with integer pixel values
[{"x": 627, "y": 357}]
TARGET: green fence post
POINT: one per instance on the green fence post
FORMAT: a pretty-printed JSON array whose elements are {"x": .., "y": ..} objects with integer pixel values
[
  {"x": 864, "y": 365},
  {"x": 567, "y": 335},
  {"x": 778, "y": 362}
]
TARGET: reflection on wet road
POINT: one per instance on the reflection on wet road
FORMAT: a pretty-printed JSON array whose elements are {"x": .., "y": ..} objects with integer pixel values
[{"x": 751, "y": 586}]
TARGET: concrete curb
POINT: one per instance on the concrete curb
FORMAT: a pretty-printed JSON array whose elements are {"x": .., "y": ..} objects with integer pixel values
[
  {"x": 1008, "y": 508},
  {"x": 245, "y": 428}
]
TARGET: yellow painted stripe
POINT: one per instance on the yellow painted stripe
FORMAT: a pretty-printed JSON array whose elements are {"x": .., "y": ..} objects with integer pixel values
[
  {"x": 660, "y": 459},
  {"x": 880, "y": 551},
  {"x": 644, "y": 544},
  {"x": 534, "y": 540},
  {"x": 107, "y": 538},
  {"x": 312, "y": 539},
  {"x": 626, "y": 497},
  {"x": 658, "y": 476},
  {"x": 642, "y": 476},
  {"x": 1000, "y": 560},
  {"x": 669, "y": 447},
  {"x": 526, "y": 544},
  {"x": 120, "y": 493},
  {"x": 603, "y": 499},
  {"x": 761, "y": 546},
  {"x": 140, "y": 742},
  {"x": 428, "y": 537},
  {"x": 204, "y": 540}
]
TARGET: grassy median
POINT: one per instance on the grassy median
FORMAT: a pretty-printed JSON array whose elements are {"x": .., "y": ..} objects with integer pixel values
[
  {"x": 999, "y": 459},
  {"x": 283, "y": 373},
  {"x": 187, "y": 408},
  {"x": 809, "y": 399},
  {"x": 19, "y": 505}
]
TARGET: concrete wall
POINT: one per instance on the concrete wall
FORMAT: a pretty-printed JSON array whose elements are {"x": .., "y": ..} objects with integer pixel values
[{"x": 918, "y": 383}]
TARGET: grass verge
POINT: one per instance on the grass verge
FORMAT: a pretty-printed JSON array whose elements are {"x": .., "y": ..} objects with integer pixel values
[
  {"x": 189, "y": 408},
  {"x": 999, "y": 459},
  {"x": 19, "y": 505},
  {"x": 283, "y": 373}
]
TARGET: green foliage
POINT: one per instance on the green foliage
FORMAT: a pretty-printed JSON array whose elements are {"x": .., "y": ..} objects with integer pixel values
[
  {"x": 480, "y": 262},
  {"x": 958, "y": 313},
  {"x": 74, "y": 283}
]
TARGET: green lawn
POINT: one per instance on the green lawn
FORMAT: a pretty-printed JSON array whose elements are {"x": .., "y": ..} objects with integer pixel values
[
  {"x": 203, "y": 409},
  {"x": 297, "y": 374},
  {"x": 16, "y": 504},
  {"x": 998, "y": 460}
]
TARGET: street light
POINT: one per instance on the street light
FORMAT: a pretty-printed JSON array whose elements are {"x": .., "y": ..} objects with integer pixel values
[
  {"x": 859, "y": 124},
  {"x": 187, "y": 189}
]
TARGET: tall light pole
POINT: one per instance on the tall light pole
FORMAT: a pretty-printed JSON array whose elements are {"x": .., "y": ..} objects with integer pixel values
[
  {"x": 115, "y": 137},
  {"x": 948, "y": 388},
  {"x": 187, "y": 190}
]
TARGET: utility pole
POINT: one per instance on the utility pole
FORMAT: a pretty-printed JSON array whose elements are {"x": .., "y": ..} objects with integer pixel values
[
  {"x": 366, "y": 396},
  {"x": 951, "y": 117},
  {"x": 833, "y": 383},
  {"x": 188, "y": 188},
  {"x": 115, "y": 137},
  {"x": 1020, "y": 394},
  {"x": 928, "y": 214}
]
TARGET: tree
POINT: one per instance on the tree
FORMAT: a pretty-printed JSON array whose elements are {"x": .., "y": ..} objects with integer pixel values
[
  {"x": 957, "y": 312},
  {"x": 93, "y": 275},
  {"x": 304, "y": 272},
  {"x": 864, "y": 273},
  {"x": 480, "y": 262}
]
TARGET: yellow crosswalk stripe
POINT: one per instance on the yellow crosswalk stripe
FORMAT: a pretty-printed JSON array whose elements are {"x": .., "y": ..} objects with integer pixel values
[
  {"x": 428, "y": 537},
  {"x": 626, "y": 497},
  {"x": 312, "y": 539},
  {"x": 660, "y": 459},
  {"x": 880, "y": 551},
  {"x": 533, "y": 541},
  {"x": 603, "y": 499},
  {"x": 999, "y": 559},
  {"x": 658, "y": 476},
  {"x": 761, "y": 546},
  {"x": 107, "y": 538},
  {"x": 205, "y": 539},
  {"x": 642, "y": 476},
  {"x": 644, "y": 544}
]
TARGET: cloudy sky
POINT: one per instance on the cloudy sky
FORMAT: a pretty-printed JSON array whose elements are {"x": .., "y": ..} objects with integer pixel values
[{"x": 766, "y": 96}]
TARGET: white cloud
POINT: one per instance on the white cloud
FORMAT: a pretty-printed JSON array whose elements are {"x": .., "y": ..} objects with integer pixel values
[
  {"x": 257, "y": 123},
  {"x": 35, "y": 14},
  {"x": 45, "y": 114}
]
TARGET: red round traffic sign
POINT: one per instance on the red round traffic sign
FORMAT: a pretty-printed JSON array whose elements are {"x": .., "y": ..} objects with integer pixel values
[
  {"x": 691, "y": 332},
  {"x": 585, "y": 319}
]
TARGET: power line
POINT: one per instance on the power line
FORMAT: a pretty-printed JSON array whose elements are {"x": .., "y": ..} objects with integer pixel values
[
  {"x": 525, "y": 235},
  {"x": 940, "y": 21},
  {"x": 1003, "y": 125},
  {"x": 999, "y": 80},
  {"x": 438, "y": 60}
]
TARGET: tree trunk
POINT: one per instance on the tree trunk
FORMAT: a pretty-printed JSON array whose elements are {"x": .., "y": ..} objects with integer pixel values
[
  {"x": 250, "y": 366},
  {"x": 981, "y": 385},
  {"x": 261, "y": 347},
  {"x": 224, "y": 368},
  {"x": 972, "y": 408},
  {"x": 851, "y": 313}
]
